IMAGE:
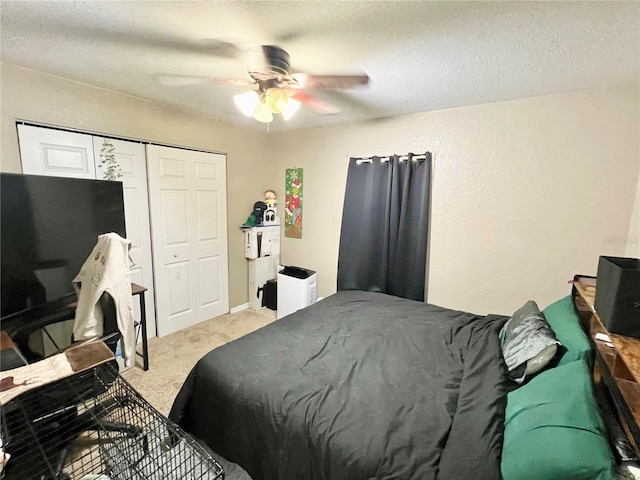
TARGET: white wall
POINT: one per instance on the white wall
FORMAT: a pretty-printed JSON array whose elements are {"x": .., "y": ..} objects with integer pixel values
[
  {"x": 525, "y": 194},
  {"x": 37, "y": 97}
]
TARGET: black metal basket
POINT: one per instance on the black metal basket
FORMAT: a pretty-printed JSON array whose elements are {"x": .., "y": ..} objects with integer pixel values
[{"x": 94, "y": 425}]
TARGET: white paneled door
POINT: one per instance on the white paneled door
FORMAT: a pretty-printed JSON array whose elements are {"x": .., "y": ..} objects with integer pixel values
[
  {"x": 46, "y": 151},
  {"x": 188, "y": 200},
  {"x": 131, "y": 157}
]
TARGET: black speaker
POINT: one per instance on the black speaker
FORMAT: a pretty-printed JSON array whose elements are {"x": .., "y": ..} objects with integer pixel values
[{"x": 617, "y": 299}]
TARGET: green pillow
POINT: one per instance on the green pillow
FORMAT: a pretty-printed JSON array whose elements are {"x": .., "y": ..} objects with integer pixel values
[
  {"x": 553, "y": 429},
  {"x": 565, "y": 322}
]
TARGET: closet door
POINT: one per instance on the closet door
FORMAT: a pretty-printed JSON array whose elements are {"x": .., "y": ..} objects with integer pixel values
[
  {"x": 131, "y": 157},
  {"x": 188, "y": 197},
  {"x": 45, "y": 151}
]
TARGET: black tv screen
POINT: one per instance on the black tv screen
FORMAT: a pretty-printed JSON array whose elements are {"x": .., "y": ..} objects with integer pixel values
[{"x": 48, "y": 227}]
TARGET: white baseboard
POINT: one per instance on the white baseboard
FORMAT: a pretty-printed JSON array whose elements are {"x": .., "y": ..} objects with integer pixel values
[{"x": 239, "y": 308}]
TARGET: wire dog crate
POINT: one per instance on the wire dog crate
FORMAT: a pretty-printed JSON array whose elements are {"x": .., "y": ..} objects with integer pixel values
[{"x": 95, "y": 426}]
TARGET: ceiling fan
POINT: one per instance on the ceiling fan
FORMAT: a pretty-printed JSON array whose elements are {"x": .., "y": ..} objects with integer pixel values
[{"x": 274, "y": 88}]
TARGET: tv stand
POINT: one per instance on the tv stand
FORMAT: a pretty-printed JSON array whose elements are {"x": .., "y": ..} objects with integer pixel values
[{"x": 617, "y": 363}]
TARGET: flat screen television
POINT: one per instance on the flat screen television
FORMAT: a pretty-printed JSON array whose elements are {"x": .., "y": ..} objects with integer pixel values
[{"x": 48, "y": 227}]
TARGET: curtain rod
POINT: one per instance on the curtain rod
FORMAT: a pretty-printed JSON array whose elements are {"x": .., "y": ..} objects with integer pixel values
[{"x": 386, "y": 158}]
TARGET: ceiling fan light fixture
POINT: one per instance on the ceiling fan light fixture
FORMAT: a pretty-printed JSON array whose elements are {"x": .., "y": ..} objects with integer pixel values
[
  {"x": 276, "y": 99},
  {"x": 291, "y": 108},
  {"x": 263, "y": 113},
  {"x": 247, "y": 102}
]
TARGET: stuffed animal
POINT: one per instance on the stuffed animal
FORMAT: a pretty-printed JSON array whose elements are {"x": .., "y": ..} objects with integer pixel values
[
  {"x": 270, "y": 212},
  {"x": 270, "y": 198}
]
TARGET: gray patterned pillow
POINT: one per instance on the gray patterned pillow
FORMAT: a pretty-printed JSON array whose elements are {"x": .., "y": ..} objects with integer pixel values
[{"x": 528, "y": 342}]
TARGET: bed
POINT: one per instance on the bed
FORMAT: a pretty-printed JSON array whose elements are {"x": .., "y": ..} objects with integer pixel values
[{"x": 364, "y": 385}]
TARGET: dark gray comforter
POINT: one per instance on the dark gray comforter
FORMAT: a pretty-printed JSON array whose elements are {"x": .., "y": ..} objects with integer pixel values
[{"x": 360, "y": 385}]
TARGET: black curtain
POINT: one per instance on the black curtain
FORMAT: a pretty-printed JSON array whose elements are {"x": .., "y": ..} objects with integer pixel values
[{"x": 383, "y": 241}]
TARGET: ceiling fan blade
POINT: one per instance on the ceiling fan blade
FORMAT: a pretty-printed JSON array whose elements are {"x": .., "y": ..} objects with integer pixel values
[
  {"x": 331, "y": 82},
  {"x": 210, "y": 47},
  {"x": 318, "y": 106},
  {"x": 157, "y": 40},
  {"x": 220, "y": 48},
  {"x": 179, "y": 80}
]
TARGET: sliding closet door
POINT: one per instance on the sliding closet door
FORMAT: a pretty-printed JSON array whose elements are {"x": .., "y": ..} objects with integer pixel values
[
  {"x": 46, "y": 151},
  {"x": 131, "y": 157},
  {"x": 188, "y": 197}
]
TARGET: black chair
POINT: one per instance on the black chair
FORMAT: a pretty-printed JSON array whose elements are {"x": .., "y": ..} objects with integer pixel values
[{"x": 39, "y": 427}]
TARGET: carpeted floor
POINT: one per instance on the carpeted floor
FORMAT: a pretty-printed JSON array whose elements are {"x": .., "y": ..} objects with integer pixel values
[{"x": 172, "y": 357}]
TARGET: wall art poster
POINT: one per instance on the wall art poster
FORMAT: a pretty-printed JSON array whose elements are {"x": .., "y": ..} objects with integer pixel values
[{"x": 293, "y": 203}]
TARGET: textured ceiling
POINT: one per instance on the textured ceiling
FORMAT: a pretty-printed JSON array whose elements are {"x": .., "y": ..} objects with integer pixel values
[{"x": 420, "y": 56}]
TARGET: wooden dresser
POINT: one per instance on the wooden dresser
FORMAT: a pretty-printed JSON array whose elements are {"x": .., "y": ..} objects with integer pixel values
[{"x": 617, "y": 361}]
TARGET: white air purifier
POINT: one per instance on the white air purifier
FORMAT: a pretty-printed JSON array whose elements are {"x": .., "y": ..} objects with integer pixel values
[{"x": 296, "y": 289}]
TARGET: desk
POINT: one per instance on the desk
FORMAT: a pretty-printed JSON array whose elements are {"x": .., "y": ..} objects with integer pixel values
[
  {"x": 139, "y": 290},
  {"x": 618, "y": 363}
]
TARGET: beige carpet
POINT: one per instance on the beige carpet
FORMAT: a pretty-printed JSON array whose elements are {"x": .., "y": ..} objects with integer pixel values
[{"x": 172, "y": 357}]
